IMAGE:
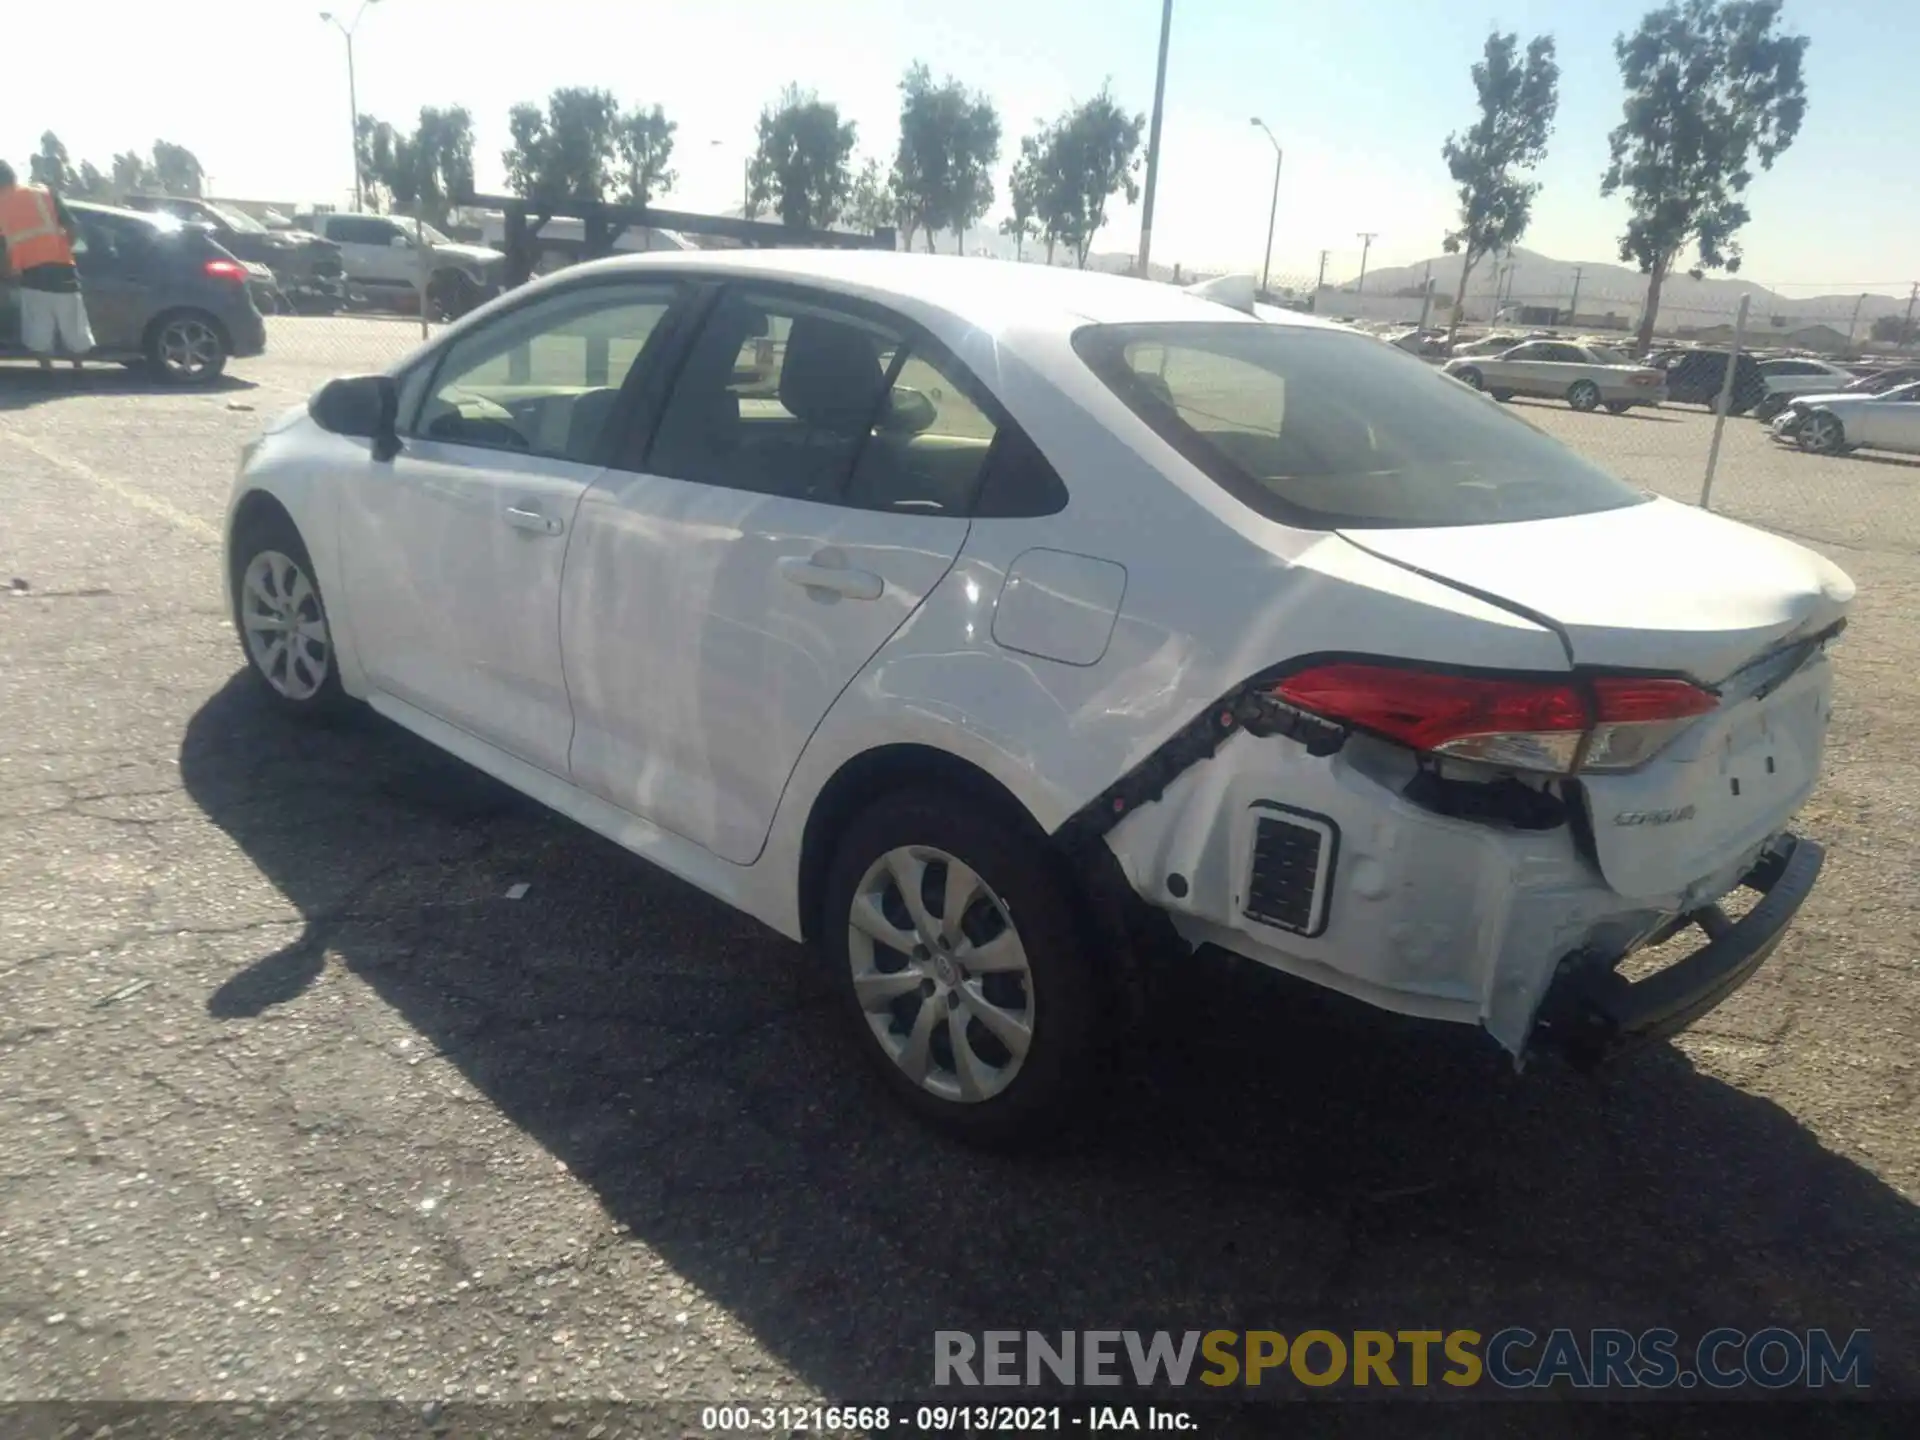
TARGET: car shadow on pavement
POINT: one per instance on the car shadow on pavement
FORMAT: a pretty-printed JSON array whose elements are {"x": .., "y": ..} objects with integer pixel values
[
  {"x": 24, "y": 384},
  {"x": 1263, "y": 1156}
]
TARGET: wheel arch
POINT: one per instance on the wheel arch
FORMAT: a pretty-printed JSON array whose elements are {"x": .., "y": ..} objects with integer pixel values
[
  {"x": 1133, "y": 936},
  {"x": 864, "y": 778},
  {"x": 152, "y": 330}
]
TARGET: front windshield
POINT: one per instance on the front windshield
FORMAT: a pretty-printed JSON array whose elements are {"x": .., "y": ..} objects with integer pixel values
[
  {"x": 1322, "y": 429},
  {"x": 239, "y": 220}
]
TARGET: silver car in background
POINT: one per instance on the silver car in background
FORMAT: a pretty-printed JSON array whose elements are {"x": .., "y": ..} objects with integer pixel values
[{"x": 1585, "y": 376}]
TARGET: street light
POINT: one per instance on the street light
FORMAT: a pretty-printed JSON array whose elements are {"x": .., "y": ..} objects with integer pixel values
[
  {"x": 1273, "y": 208},
  {"x": 353, "y": 98}
]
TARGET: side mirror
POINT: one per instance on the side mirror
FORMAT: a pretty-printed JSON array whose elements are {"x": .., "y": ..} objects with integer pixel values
[
  {"x": 364, "y": 407},
  {"x": 908, "y": 412}
]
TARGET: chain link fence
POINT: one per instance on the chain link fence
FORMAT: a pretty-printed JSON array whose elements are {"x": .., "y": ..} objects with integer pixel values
[{"x": 1867, "y": 497}]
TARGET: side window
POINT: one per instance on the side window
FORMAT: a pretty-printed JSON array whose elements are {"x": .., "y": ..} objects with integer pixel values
[
  {"x": 106, "y": 242},
  {"x": 1526, "y": 352},
  {"x": 800, "y": 398},
  {"x": 1020, "y": 482},
  {"x": 544, "y": 379},
  {"x": 361, "y": 230}
]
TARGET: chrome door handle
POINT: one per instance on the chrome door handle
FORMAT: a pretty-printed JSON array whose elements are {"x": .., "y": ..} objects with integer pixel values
[
  {"x": 810, "y": 574},
  {"x": 521, "y": 518}
]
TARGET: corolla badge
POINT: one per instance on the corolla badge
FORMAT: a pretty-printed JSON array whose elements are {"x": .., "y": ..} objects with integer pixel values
[{"x": 1654, "y": 817}]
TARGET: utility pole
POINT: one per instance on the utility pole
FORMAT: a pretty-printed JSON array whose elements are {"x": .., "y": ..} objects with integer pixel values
[
  {"x": 1319, "y": 283},
  {"x": 1273, "y": 206},
  {"x": 1573, "y": 309},
  {"x": 1426, "y": 296},
  {"x": 1366, "y": 239},
  {"x": 353, "y": 97},
  {"x": 1905, "y": 337},
  {"x": 1153, "y": 141},
  {"x": 1855, "y": 321}
]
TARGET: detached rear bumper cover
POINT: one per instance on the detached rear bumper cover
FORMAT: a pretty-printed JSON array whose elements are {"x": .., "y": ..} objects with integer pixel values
[{"x": 1593, "y": 1012}]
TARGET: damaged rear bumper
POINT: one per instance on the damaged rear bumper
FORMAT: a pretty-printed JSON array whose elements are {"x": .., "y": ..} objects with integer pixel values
[{"x": 1592, "y": 1012}]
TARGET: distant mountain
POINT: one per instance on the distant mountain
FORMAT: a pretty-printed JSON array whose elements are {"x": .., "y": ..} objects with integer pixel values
[{"x": 1542, "y": 280}]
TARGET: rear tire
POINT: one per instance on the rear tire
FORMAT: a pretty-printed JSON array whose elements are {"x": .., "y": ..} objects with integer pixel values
[
  {"x": 281, "y": 619},
  {"x": 1584, "y": 396},
  {"x": 1468, "y": 375},
  {"x": 981, "y": 1022},
  {"x": 186, "y": 347}
]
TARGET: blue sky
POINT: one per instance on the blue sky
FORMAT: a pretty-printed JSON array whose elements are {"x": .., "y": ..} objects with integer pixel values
[{"x": 1361, "y": 95}]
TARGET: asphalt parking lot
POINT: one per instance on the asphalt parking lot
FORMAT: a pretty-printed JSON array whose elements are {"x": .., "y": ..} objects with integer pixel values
[{"x": 295, "y": 1103}]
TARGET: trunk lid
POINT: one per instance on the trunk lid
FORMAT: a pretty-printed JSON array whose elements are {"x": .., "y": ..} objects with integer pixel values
[
  {"x": 1667, "y": 588},
  {"x": 1657, "y": 586}
]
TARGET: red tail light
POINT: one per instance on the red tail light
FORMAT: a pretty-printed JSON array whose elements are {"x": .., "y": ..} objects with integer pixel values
[
  {"x": 1547, "y": 725},
  {"x": 225, "y": 270}
]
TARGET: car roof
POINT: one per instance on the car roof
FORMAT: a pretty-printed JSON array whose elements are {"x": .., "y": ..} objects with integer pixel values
[
  {"x": 992, "y": 295},
  {"x": 91, "y": 207}
]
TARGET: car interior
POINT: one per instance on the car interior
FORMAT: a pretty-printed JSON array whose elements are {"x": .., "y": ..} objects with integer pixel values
[{"x": 799, "y": 403}]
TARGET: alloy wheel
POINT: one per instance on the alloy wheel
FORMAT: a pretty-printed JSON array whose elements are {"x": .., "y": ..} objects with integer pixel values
[
  {"x": 189, "y": 348},
  {"x": 941, "y": 975},
  {"x": 284, "y": 626},
  {"x": 1585, "y": 395},
  {"x": 1821, "y": 434}
]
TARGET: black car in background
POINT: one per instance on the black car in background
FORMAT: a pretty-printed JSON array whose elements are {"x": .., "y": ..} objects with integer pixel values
[
  {"x": 307, "y": 268},
  {"x": 1695, "y": 377},
  {"x": 158, "y": 294}
]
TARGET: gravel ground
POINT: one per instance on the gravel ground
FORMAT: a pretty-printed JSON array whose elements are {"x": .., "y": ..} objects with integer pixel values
[{"x": 294, "y": 1102}]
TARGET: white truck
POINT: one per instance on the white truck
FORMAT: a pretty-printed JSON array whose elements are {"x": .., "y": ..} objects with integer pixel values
[{"x": 390, "y": 258}]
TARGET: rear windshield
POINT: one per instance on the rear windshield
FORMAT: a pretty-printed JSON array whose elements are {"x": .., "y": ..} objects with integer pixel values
[{"x": 1321, "y": 428}]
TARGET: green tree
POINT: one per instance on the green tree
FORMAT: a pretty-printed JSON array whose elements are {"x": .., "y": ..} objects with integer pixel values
[
  {"x": 871, "y": 203},
  {"x": 1893, "y": 330},
  {"x": 1711, "y": 85},
  {"x": 49, "y": 165},
  {"x": 801, "y": 166},
  {"x": 1518, "y": 98},
  {"x": 132, "y": 171},
  {"x": 425, "y": 172},
  {"x": 949, "y": 144},
  {"x": 90, "y": 184},
  {"x": 643, "y": 142},
  {"x": 373, "y": 146},
  {"x": 1041, "y": 176},
  {"x": 1093, "y": 152},
  {"x": 569, "y": 151},
  {"x": 1022, "y": 196},
  {"x": 177, "y": 170}
]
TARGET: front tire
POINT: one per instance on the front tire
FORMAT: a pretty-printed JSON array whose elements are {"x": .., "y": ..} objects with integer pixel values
[
  {"x": 960, "y": 964},
  {"x": 1584, "y": 396},
  {"x": 186, "y": 348},
  {"x": 1503, "y": 396},
  {"x": 1823, "y": 434},
  {"x": 1619, "y": 407},
  {"x": 282, "y": 621}
]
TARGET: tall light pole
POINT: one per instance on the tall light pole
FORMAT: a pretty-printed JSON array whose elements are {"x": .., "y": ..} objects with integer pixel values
[
  {"x": 1153, "y": 141},
  {"x": 1366, "y": 239},
  {"x": 353, "y": 96},
  {"x": 1273, "y": 207}
]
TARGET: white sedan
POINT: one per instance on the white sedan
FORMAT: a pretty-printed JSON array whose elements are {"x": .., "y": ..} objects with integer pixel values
[
  {"x": 1010, "y": 633},
  {"x": 1831, "y": 424},
  {"x": 1585, "y": 376}
]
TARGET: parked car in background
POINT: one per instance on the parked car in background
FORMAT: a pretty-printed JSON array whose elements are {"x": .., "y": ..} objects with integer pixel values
[
  {"x": 1585, "y": 376},
  {"x": 384, "y": 258},
  {"x": 896, "y": 646},
  {"x": 1695, "y": 377},
  {"x": 1832, "y": 424},
  {"x": 307, "y": 269},
  {"x": 1797, "y": 375},
  {"x": 1429, "y": 343},
  {"x": 1882, "y": 378},
  {"x": 1497, "y": 342},
  {"x": 159, "y": 294}
]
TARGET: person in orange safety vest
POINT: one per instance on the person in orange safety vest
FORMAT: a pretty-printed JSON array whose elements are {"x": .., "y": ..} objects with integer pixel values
[{"x": 38, "y": 234}]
